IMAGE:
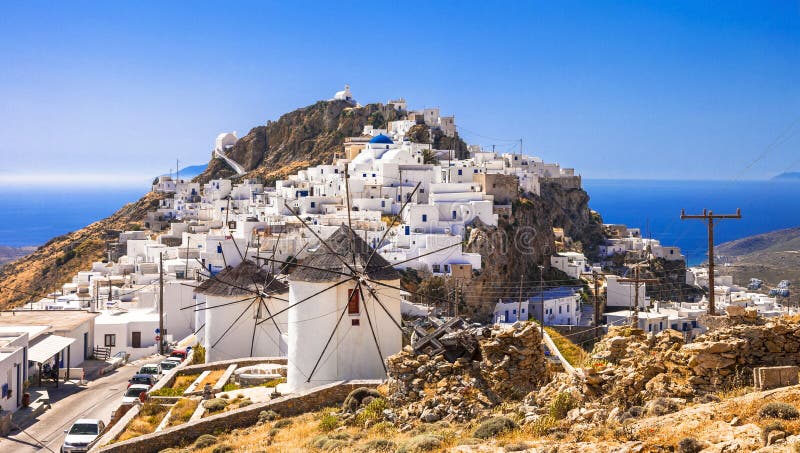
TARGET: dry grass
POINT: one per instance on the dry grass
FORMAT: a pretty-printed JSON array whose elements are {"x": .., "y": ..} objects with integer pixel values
[
  {"x": 182, "y": 411},
  {"x": 184, "y": 381},
  {"x": 144, "y": 423},
  {"x": 574, "y": 354},
  {"x": 211, "y": 378}
]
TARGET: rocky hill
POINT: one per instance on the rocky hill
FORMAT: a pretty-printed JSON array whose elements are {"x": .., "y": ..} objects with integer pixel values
[
  {"x": 8, "y": 254},
  {"x": 772, "y": 257}
]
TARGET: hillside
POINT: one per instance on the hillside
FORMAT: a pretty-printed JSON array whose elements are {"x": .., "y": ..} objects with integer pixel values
[
  {"x": 8, "y": 254},
  {"x": 772, "y": 257},
  {"x": 56, "y": 262},
  {"x": 787, "y": 176}
]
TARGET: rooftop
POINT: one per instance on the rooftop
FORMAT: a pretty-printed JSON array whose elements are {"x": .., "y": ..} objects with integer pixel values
[{"x": 52, "y": 320}]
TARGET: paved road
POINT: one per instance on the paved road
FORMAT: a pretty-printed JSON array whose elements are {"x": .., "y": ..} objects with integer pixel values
[{"x": 99, "y": 399}]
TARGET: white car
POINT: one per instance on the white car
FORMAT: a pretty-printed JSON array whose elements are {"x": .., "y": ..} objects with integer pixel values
[
  {"x": 82, "y": 436},
  {"x": 131, "y": 395}
]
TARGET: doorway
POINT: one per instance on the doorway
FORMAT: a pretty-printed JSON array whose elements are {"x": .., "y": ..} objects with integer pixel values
[{"x": 136, "y": 339}]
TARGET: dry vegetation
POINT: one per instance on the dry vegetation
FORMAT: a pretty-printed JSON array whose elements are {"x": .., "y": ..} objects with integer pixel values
[
  {"x": 211, "y": 378},
  {"x": 182, "y": 411},
  {"x": 183, "y": 381},
  {"x": 145, "y": 422}
]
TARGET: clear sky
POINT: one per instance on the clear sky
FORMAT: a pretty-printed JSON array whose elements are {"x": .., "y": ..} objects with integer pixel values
[{"x": 668, "y": 89}]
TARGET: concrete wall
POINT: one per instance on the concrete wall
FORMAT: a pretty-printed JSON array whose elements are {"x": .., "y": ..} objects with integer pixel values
[{"x": 287, "y": 406}]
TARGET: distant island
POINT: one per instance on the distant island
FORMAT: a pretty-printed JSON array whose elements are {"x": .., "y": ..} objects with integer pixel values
[
  {"x": 787, "y": 176},
  {"x": 191, "y": 171}
]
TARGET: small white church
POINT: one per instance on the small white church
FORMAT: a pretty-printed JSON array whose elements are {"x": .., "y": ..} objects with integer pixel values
[{"x": 327, "y": 307}]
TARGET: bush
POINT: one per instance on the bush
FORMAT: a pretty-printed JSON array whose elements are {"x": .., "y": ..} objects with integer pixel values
[
  {"x": 517, "y": 446},
  {"x": 689, "y": 445},
  {"x": 167, "y": 391},
  {"x": 373, "y": 410},
  {"x": 245, "y": 402},
  {"x": 199, "y": 355},
  {"x": 282, "y": 423},
  {"x": 770, "y": 427},
  {"x": 377, "y": 445},
  {"x": 329, "y": 422},
  {"x": 327, "y": 443},
  {"x": 222, "y": 449},
  {"x": 204, "y": 441},
  {"x": 783, "y": 411},
  {"x": 215, "y": 404},
  {"x": 267, "y": 416},
  {"x": 561, "y": 404},
  {"x": 356, "y": 397},
  {"x": 423, "y": 442},
  {"x": 494, "y": 426},
  {"x": 230, "y": 386}
]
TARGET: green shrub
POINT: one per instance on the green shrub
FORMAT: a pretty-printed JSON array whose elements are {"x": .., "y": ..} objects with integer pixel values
[
  {"x": 329, "y": 422},
  {"x": 356, "y": 397},
  {"x": 382, "y": 427},
  {"x": 267, "y": 416},
  {"x": 245, "y": 402},
  {"x": 282, "y": 423},
  {"x": 494, "y": 426},
  {"x": 689, "y": 445},
  {"x": 373, "y": 411},
  {"x": 215, "y": 404},
  {"x": 323, "y": 442},
  {"x": 204, "y": 441},
  {"x": 222, "y": 449},
  {"x": 230, "y": 386},
  {"x": 422, "y": 442},
  {"x": 783, "y": 411},
  {"x": 770, "y": 427},
  {"x": 199, "y": 355},
  {"x": 167, "y": 391},
  {"x": 273, "y": 382},
  {"x": 377, "y": 445},
  {"x": 561, "y": 404}
]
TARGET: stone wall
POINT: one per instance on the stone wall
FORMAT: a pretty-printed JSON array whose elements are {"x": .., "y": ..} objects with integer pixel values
[
  {"x": 641, "y": 367},
  {"x": 168, "y": 379},
  {"x": 286, "y": 406}
]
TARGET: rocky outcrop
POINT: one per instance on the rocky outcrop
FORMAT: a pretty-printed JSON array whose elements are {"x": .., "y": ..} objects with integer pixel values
[
  {"x": 524, "y": 240},
  {"x": 308, "y": 136},
  {"x": 430, "y": 388}
]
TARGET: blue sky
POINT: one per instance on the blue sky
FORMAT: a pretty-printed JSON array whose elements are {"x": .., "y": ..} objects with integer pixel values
[{"x": 669, "y": 90}]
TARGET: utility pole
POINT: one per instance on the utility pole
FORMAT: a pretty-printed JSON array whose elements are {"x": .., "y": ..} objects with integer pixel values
[
  {"x": 596, "y": 299},
  {"x": 541, "y": 299},
  {"x": 709, "y": 217},
  {"x": 161, "y": 303},
  {"x": 636, "y": 282}
]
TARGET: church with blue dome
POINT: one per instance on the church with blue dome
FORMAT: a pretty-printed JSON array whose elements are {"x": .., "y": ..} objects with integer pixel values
[{"x": 382, "y": 140}]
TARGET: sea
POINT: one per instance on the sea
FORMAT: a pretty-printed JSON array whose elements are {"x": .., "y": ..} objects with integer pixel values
[{"x": 32, "y": 216}]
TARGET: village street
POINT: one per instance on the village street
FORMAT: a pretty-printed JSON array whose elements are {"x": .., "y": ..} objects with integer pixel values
[{"x": 98, "y": 399}]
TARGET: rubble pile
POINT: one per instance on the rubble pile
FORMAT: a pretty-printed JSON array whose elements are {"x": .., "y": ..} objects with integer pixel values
[
  {"x": 631, "y": 367},
  {"x": 507, "y": 364}
]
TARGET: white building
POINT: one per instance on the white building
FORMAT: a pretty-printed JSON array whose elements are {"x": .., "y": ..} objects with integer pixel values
[
  {"x": 345, "y": 95},
  {"x": 571, "y": 263},
  {"x": 13, "y": 369},
  {"x": 561, "y": 307},
  {"x": 649, "y": 322},
  {"x": 623, "y": 294}
]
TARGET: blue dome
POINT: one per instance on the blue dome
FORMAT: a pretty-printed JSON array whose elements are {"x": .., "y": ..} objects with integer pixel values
[{"x": 382, "y": 139}]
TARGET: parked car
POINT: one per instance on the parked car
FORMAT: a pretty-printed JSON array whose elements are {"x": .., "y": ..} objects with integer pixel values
[
  {"x": 82, "y": 435},
  {"x": 131, "y": 395},
  {"x": 167, "y": 364},
  {"x": 152, "y": 369},
  {"x": 145, "y": 379},
  {"x": 179, "y": 353}
]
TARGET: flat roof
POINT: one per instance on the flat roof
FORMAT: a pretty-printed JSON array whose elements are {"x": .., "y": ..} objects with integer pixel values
[{"x": 55, "y": 320}]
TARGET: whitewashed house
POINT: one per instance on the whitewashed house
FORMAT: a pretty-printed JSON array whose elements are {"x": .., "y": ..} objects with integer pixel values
[{"x": 561, "y": 307}]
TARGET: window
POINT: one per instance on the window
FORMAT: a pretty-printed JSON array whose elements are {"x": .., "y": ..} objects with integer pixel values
[
  {"x": 313, "y": 204},
  {"x": 352, "y": 302},
  {"x": 110, "y": 340},
  {"x": 475, "y": 171},
  {"x": 447, "y": 268},
  {"x": 459, "y": 172},
  {"x": 435, "y": 268},
  {"x": 421, "y": 190},
  {"x": 383, "y": 203},
  {"x": 514, "y": 311},
  {"x": 559, "y": 309},
  {"x": 454, "y": 215},
  {"x": 424, "y": 217}
]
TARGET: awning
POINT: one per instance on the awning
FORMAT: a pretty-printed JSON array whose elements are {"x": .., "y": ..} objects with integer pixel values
[{"x": 48, "y": 347}]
